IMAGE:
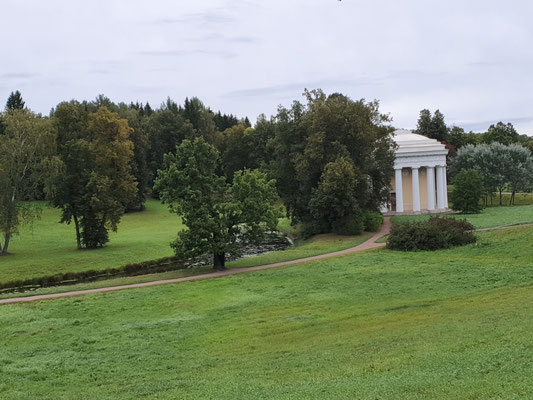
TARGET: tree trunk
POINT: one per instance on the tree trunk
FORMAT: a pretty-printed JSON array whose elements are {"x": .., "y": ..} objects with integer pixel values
[
  {"x": 78, "y": 238},
  {"x": 6, "y": 244},
  {"x": 511, "y": 200},
  {"x": 219, "y": 261},
  {"x": 501, "y": 197}
]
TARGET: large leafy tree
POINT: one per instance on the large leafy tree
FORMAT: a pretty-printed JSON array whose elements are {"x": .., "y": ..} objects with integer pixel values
[
  {"x": 244, "y": 147},
  {"x": 468, "y": 191},
  {"x": 501, "y": 133},
  {"x": 166, "y": 128},
  {"x": 499, "y": 165},
  {"x": 93, "y": 183},
  {"x": 220, "y": 218},
  {"x": 25, "y": 144},
  {"x": 326, "y": 130},
  {"x": 137, "y": 121},
  {"x": 200, "y": 117}
]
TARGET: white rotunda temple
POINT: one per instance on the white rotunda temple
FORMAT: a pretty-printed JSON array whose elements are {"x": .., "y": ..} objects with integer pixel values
[{"x": 419, "y": 184}]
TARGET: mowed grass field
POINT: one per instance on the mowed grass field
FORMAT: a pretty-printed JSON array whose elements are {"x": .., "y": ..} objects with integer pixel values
[
  {"x": 50, "y": 247},
  {"x": 489, "y": 217},
  {"x": 450, "y": 324}
]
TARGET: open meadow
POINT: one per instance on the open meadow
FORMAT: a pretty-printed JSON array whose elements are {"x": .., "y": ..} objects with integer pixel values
[{"x": 382, "y": 324}]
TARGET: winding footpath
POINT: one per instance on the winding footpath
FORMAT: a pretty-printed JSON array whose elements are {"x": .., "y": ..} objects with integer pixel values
[{"x": 369, "y": 244}]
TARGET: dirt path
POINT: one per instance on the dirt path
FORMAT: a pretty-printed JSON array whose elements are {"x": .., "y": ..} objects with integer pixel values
[{"x": 369, "y": 244}]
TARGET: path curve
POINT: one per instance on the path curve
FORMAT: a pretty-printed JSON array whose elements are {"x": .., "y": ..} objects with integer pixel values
[{"x": 369, "y": 244}]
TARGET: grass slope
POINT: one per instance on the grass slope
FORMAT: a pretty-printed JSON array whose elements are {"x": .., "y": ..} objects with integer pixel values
[
  {"x": 489, "y": 217},
  {"x": 378, "y": 325}
]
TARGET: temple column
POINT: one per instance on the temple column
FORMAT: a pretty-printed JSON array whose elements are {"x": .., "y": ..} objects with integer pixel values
[
  {"x": 441, "y": 178},
  {"x": 399, "y": 189},
  {"x": 445, "y": 187},
  {"x": 430, "y": 175},
  {"x": 416, "y": 190}
]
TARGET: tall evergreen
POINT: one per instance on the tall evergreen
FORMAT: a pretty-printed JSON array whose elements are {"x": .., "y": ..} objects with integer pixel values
[{"x": 15, "y": 102}]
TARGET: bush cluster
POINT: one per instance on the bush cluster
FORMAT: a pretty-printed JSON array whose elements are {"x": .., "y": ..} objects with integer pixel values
[
  {"x": 435, "y": 233},
  {"x": 351, "y": 225},
  {"x": 372, "y": 221}
]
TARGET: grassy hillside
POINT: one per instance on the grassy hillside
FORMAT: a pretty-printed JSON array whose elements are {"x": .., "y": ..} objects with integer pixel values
[{"x": 378, "y": 325}]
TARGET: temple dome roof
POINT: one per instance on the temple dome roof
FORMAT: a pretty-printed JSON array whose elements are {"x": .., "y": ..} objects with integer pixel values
[{"x": 409, "y": 142}]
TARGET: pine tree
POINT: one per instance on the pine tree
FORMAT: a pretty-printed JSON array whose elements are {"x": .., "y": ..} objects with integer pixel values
[{"x": 15, "y": 102}]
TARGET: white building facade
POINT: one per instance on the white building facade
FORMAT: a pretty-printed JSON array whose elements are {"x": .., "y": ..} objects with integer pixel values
[{"x": 419, "y": 184}]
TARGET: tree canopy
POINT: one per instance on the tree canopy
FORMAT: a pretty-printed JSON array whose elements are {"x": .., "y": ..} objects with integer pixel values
[
  {"x": 499, "y": 165},
  {"x": 25, "y": 144},
  {"x": 331, "y": 133},
  {"x": 433, "y": 127},
  {"x": 220, "y": 218},
  {"x": 93, "y": 183},
  {"x": 15, "y": 102}
]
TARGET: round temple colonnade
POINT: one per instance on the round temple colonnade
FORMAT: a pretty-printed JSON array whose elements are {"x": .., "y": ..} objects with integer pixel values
[{"x": 419, "y": 183}]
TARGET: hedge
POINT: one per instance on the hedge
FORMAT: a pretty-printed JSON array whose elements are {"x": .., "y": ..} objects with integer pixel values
[{"x": 435, "y": 233}]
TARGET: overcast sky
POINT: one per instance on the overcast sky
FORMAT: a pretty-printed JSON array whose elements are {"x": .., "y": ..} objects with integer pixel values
[{"x": 472, "y": 59}]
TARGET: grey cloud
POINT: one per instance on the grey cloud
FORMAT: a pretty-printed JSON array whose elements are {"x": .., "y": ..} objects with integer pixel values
[
  {"x": 17, "y": 75},
  {"x": 484, "y": 125},
  {"x": 217, "y": 16},
  {"x": 281, "y": 90},
  {"x": 184, "y": 53}
]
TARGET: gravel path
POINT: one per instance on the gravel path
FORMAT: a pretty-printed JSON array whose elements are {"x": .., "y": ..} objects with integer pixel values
[{"x": 369, "y": 244}]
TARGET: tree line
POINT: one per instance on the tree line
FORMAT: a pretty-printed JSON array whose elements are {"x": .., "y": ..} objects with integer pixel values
[
  {"x": 433, "y": 126},
  {"x": 501, "y": 158},
  {"x": 330, "y": 159}
]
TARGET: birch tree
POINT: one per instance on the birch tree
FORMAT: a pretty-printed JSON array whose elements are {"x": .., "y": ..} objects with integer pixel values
[{"x": 25, "y": 143}]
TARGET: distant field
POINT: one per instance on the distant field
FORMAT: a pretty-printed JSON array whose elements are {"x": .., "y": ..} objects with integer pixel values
[
  {"x": 51, "y": 247},
  {"x": 450, "y": 324},
  {"x": 489, "y": 217}
]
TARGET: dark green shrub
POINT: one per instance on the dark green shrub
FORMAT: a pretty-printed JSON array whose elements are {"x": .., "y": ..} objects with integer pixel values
[
  {"x": 468, "y": 191},
  {"x": 312, "y": 228},
  {"x": 436, "y": 233},
  {"x": 372, "y": 221},
  {"x": 352, "y": 225}
]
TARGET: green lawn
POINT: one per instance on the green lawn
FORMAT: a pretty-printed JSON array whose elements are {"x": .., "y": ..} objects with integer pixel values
[
  {"x": 319, "y": 244},
  {"x": 377, "y": 325},
  {"x": 51, "y": 247},
  {"x": 489, "y": 217}
]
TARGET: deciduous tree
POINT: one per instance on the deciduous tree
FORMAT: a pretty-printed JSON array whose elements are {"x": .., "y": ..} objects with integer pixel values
[
  {"x": 220, "y": 218},
  {"x": 25, "y": 144},
  {"x": 468, "y": 191},
  {"x": 326, "y": 129},
  {"x": 93, "y": 184}
]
